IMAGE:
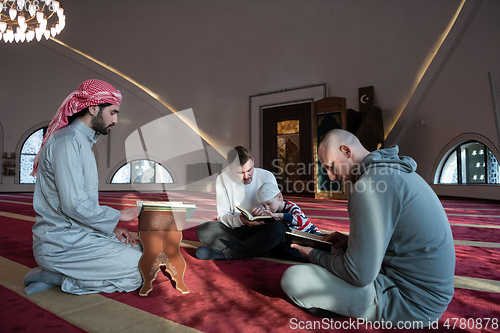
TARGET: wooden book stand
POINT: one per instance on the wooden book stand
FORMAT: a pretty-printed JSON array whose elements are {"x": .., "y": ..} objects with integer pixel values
[{"x": 161, "y": 237}]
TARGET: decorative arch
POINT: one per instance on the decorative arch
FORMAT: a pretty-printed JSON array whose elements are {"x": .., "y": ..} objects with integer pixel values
[
  {"x": 123, "y": 163},
  {"x": 454, "y": 144},
  {"x": 19, "y": 149}
]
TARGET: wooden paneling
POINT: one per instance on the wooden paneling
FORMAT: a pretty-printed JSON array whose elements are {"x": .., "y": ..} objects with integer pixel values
[{"x": 330, "y": 113}]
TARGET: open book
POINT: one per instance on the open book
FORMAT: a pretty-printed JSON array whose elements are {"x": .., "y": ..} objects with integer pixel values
[
  {"x": 167, "y": 206},
  {"x": 306, "y": 239},
  {"x": 250, "y": 217}
]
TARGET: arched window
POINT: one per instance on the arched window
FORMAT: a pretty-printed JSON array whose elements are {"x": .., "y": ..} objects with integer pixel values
[
  {"x": 29, "y": 149},
  {"x": 142, "y": 171},
  {"x": 471, "y": 162}
]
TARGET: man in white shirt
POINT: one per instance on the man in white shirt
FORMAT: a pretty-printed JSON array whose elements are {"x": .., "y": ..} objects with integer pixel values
[{"x": 233, "y": 236}]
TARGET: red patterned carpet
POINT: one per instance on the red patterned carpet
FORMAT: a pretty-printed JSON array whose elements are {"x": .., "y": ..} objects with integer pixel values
[{"x": 244, "y": 295}]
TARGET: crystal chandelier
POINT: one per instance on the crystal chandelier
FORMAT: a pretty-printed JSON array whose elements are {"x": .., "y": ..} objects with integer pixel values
[{"x": 31, "y": 20}]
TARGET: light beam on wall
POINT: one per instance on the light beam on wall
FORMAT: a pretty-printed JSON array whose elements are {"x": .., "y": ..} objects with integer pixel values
[
  {"x": 427, "y": 62},
  {"x": 496, "y": 109},
  {"x": 187, "y": 121}
]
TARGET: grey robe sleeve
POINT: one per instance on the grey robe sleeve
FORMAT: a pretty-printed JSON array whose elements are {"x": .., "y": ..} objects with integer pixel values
[{"x": 74, "y": 170}]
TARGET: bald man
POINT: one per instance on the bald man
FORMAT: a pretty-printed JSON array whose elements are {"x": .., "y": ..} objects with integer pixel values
[{"x": 398, "y": 262}]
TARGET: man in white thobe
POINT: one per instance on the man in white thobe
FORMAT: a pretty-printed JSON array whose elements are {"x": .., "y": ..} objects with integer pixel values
[{"x": 76, "y": 243}]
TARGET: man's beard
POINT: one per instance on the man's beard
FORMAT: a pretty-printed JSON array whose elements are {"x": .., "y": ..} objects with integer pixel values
[{"x": 99, "y": 125}]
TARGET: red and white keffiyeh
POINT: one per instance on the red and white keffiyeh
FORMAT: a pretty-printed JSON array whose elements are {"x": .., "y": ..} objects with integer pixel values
[{"x": 90, "y": 92}]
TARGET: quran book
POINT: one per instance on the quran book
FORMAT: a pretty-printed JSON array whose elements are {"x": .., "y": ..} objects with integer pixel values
[
  {"x": 167, "y": 206},
  {"x": 250, "y": 217},
  {"x": 307, "y": 239}
]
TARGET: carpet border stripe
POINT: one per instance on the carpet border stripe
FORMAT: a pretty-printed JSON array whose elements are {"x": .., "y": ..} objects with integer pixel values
[{"x": 94, "y": 312}]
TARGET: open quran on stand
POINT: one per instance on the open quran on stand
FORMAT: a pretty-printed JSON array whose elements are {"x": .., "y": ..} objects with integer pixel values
[
  {"x": 306, "y": 239},
  {"x": 250, "y": 217},
  {"x": 167, "y": 206}
]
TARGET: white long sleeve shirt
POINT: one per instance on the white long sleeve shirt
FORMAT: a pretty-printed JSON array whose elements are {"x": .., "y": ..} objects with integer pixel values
[{"x": 231, "y": 192}]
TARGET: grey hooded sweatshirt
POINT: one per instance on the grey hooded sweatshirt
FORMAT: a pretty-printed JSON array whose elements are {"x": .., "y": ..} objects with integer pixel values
[{"x": 399, "y": 239}]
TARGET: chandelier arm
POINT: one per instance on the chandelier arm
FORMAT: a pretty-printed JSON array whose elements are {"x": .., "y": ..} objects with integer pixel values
[
  {"x": 6, "y": 19},
  {"x": 51, "y": 14},
  {"x": 11, "y": 4}
]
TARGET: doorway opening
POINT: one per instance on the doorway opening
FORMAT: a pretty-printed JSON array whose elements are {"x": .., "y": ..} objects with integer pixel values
[{"x": 287, "y": 146}]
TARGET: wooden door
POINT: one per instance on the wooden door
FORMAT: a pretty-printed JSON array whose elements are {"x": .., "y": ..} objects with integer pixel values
[{"x": 287, "y": 146}]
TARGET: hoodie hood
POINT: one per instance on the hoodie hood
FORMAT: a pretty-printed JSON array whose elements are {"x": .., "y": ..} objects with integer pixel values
[{"x": 387, "y": 158}]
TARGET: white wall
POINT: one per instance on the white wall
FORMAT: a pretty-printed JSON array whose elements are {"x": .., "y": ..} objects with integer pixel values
[
  {"x": 458, "y": 99},
  {"x": 212, "y": 55},
  {"x": 37, "y": 89}
]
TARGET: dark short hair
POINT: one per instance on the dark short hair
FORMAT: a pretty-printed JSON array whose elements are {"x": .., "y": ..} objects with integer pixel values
[
  {"x": 240, "y": 152},
  {"x": 84, "y": 111}
]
